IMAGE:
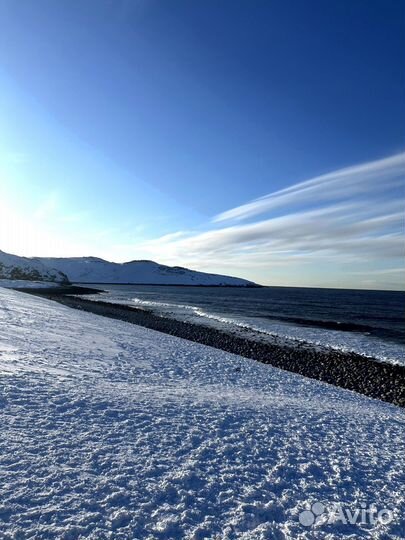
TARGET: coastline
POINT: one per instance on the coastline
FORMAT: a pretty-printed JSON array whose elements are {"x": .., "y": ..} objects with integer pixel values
[
  {"x": 200, "y": 285},
  {"x": 58, "y": 290},
  {"x": 351, "y": 371}
]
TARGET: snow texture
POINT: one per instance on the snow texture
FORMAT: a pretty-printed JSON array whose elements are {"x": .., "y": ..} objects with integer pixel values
[{"x": 113, "y": 431}]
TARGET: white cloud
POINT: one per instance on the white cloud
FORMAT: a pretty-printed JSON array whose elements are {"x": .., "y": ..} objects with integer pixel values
[
  {"x": 372, "y": 178},
  {"x": 354, "y": 215}
]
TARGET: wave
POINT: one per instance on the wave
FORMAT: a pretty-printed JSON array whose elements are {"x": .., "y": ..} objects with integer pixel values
[
  {"x": 151, "y": 303},
  {"x": 319, "y": 323},
  {"x": 327, "y": 324},
  {"x": 319, "y": 333}
]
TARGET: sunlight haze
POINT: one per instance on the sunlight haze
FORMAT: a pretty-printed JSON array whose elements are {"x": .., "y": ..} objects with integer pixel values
[{"x": 197, "y": 134}]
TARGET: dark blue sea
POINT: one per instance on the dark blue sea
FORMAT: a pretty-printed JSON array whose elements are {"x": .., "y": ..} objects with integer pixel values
[{"x": 368, "y": 322}]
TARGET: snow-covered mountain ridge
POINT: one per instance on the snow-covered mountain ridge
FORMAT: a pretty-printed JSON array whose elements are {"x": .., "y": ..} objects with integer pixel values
[
  {"x": 96, "y": 270},
  {"x": 15, "y": 267}
]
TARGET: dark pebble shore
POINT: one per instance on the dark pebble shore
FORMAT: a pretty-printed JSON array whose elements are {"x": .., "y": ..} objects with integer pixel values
[{"x": 348, "y": 370}]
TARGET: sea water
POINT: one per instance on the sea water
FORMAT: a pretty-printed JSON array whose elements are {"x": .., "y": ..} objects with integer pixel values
[{"x": 371, "y": 323}]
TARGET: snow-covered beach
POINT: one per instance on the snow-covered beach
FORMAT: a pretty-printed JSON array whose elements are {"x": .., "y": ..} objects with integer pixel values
[
  {"x": 367, "y": 375},
  {"x": 110, "y": 430}
]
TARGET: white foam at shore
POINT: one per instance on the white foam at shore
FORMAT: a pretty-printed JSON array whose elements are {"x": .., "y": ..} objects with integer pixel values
[{"x": 356, "y": 342}]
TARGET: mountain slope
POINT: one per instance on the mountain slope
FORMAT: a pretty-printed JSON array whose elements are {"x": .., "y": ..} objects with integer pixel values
[
  {"x": 95, "y": 270},
  {"x": 14, "y": 267}
]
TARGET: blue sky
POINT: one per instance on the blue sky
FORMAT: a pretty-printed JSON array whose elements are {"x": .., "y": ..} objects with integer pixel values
[{"x": 145, "y": 129}]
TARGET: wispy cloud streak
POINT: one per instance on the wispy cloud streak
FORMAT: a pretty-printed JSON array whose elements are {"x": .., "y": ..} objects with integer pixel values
[
  {"x": 348, "y": 216},
  {"x": 366, "y": 179}
]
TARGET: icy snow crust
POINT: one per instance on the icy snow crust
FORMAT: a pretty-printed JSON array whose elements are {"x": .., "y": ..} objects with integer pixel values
[{"x": 113, "y": 431}]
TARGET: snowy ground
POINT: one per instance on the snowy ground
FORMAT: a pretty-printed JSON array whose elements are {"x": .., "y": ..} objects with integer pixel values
[
  {"x": 27, "y": 284},
  {"x": 113, "y": 431}
]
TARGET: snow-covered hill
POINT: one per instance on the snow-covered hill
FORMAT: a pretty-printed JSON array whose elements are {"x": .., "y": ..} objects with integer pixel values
[
  {"x": 113, "y": 431},
  {"x": 94, "y": 270},
  {"x": 23, "y": 268}
]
